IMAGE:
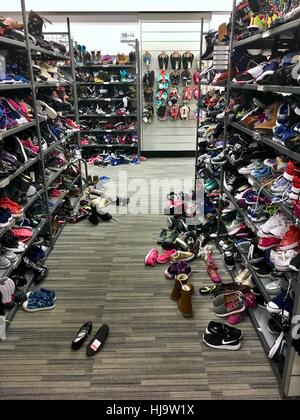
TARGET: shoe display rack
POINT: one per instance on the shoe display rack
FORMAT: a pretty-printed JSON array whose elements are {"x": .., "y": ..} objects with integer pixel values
[
  {"x": 47, "y": 154},
  {"x": 250, "y": 163},
  {"x": 108, "y": 104}
]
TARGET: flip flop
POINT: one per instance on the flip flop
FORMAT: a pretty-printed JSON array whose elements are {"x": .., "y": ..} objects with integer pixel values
[{"x": 97, "y": 343}]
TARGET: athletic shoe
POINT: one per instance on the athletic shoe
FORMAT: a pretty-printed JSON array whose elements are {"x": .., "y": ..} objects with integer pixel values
[
  {"x": 283, "y": 259},
  {"x": 274, "y": 287},
  {"x": 182, "y": 256},
  {"x": 219, "y": 328},
  {"x": 14, "y": 208},
  {"x": 280, "y": 303},
  {"x": 274, "y": 221},
  {"x": 295, "y": 263},
  {"x": 165, "y": 257},
  {"x": 178, "y": 268},
  {"x": 246, "y": 170},
  {"x": 280, "y": 186},
  {"x": 233, "y": 304},
  {"x": 151, "y": 258},
  {"x": 268, "y": 243},
  {"x": 235, "y": 227},
  {"x": 5, "y": 217},
  {"x": 221, "y": 341},
  {"x": 263, "y": 270},
  {"x": 291, "y": 239},
  {"x": 255, "y": 255},
  {"x": 229, "y": 260}
]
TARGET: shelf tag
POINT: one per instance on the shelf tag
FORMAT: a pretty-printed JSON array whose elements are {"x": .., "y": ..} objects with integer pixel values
[
  {"x": 256, "y": 136},
  {"x": 107, "y": 100},
  {"x": 108, "y": 115},
  {"x": 260, "y": 88},
  {"x": 108, "y": 131}
]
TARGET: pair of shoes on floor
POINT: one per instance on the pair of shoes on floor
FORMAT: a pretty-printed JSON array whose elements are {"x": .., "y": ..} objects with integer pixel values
[{"x": 97, "y": 342}]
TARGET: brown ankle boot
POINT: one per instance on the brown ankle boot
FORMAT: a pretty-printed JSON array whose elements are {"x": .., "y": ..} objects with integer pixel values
[
  {"x": 185, "y": 302},
  {"x": 181, "y": 280}
]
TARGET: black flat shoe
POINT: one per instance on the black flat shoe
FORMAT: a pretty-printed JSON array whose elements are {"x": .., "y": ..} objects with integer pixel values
[
  {"x": 82, "y": 335},
  {"x": 97, "y": 343}
]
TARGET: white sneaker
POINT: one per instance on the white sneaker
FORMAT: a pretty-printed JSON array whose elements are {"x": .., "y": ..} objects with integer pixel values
[
  {"x": 246, "y": 170},
  {"x": 272, "y": 223},
  {"x": 281, "y": 229},
  {"x": 282, "y": 261},
  {"x": 274, "y": 287},
  {"x": 229, "y": 208}
]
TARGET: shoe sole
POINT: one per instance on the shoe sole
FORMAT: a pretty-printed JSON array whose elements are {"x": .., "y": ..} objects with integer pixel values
[
  {"x": 39, "y": 309},
  {"x": 265, "y": 248},
  {"x": 288, "y": 247},
  {"x": 238, "y": 311},
  {"x": 223, "y": 347},
  {"x": 292, "y": 267},
  {"x": 3, "y": 225},
  {"x": 263, "y": 276}
]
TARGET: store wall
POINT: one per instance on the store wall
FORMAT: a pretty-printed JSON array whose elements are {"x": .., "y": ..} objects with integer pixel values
[{"x": 120, "y": 5}]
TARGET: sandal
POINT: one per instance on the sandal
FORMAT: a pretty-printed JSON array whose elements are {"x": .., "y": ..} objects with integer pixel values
[
  {"x": 176, "y": 60},
  {"x": 207, "y": 290},
  {"x": 163, "y": 61}
]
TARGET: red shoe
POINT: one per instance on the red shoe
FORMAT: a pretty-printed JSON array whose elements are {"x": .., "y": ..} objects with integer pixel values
[
  {"x": 55, "y": 193},
  {"x": 291, "y": 239},
  {"x": 296, "y": 184},
  {"x": 268, "y": 243},
  {"x": 72, "y": 124},
  {"x": 16, "y": 210}
]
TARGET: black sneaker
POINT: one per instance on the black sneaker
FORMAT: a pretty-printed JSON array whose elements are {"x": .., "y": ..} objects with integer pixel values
[
  {"x": 222, "y": 341},
  {"x": 229, "y": 260},
  {"x": 295, "y": 263},
  {"x": 220, "y": 159},
  {"x": 274, "y": 327},
  {"x": 255, "y": 255},
  {"x": 219, "y": 328},
  {"x": 229, "y": 180},
  {"x": 262, "y": 269}
]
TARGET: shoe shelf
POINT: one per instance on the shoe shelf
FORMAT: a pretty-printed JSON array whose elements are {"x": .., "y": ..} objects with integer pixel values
[
  {"x": 13, "y": 131},
  {"x": 259, "y": 318},
  {"x": 95, "y": 130},
  {"x": 36, "y": 50},
  {"x": 12, "y": 42},
  {"x": 104, "y": 66},
  {"x": 267, "y": 88},
  {"x": 108, "y": 116},
  {"x": 269, "y": 35},
  {"x": 266, "y": 140},
  {"x": 14, "y": 86},
  {"x": 110, "y": 146},
  {"x": 33, "y": 199},
  {"x": 6, "y": 181},
  {"x": 103, "y": 99},
  {"x": 58, "y": 233},
  {"x": 130, "y": 83},
  {"x": 59, "y": 143},
  {"x": 7, "y": 272},
  {"x": 265, "y": 192},
  {"x": 56, "y": 174},
  {"x": 57, "y": 201},
  {"x": 7, "y": 228},
  {"x": 52, "y": 84}
]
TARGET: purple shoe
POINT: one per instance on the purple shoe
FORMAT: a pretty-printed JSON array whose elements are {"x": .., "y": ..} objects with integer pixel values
[{"x": 178, "y": 268}]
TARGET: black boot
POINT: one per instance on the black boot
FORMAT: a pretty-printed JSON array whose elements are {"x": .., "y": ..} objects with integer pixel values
[
  {"x": 94, "y": 218},
  {"x": 210, "y": 42},
  {"x": 40, "y": 273}
]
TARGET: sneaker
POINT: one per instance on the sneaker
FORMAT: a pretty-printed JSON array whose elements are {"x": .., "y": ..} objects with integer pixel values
[
  {"x": 165, "y": 257},
  {"x": 229, "y": 260},
  {"x": 233, "y": 304},
  {"x": 263, "y": 270},
  {"x": 255, "y": 255},
  {"x": 151, "y": 258},
  {"x": 295, "y": 263},
  {"x": 242, "y": 276},
  {"x": 268, "y": 243},
  {"x": 10, "y": 243},
  {"x": 218, "y": 328},
  {"x": 283, "y": 259},
  {"x": 235, "y": 227},
  {"x": 37, "y": 304},
  {"x": 182, "y": 256},
  {"x": 221, "y": 341},
  {"x": 14, "y": 208},
  {"x": 178, "y": 268},
  {"x": 5, "y": 217},
  {"x": 280, "y": 185},
  {"x": 274, "y": 221},
  {"x": 274, "y": 287},
  {"x": 230, "y": 208},
  {"x": 246, "y": 170},
  {"x": 280, "y": 303},
  {"x": 291, "y": 239}
]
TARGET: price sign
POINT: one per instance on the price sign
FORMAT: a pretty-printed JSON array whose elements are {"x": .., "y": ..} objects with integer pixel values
[{"x": 128, "y": 36}]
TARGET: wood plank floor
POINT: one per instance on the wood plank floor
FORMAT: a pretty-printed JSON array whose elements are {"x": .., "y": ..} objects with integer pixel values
[{"x": 152, "y": 352}]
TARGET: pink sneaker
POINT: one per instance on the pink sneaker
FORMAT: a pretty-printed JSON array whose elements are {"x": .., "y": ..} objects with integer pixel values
[
  {"x": 174, "y": 203},
  {"x": 165, "y": 257},
  {"x": 250, "y": 300},
  {"x": 236, "y": 318},
  {"x": 151, "y": 258}
]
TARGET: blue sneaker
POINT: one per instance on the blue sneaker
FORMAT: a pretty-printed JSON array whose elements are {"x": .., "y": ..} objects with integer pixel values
[
  {"x": 262, "y": 172},
  {"x": 282, "y": 302},
  {"x": 104, "y": 179},
  {"x": 280, "y": 185},
  {"x": 5, "y": 217},
  {"x": 44, "y": 294}
]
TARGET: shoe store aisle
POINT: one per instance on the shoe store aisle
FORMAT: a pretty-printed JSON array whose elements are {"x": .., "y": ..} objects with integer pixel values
[{"x": 152, "y": 352}]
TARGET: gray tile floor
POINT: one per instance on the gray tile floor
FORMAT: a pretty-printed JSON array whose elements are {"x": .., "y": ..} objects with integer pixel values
[{"x": 152, "y": 352}]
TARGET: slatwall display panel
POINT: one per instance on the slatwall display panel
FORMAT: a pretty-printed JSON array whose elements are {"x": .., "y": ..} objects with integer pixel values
[{"x": 170, "y": 36}]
